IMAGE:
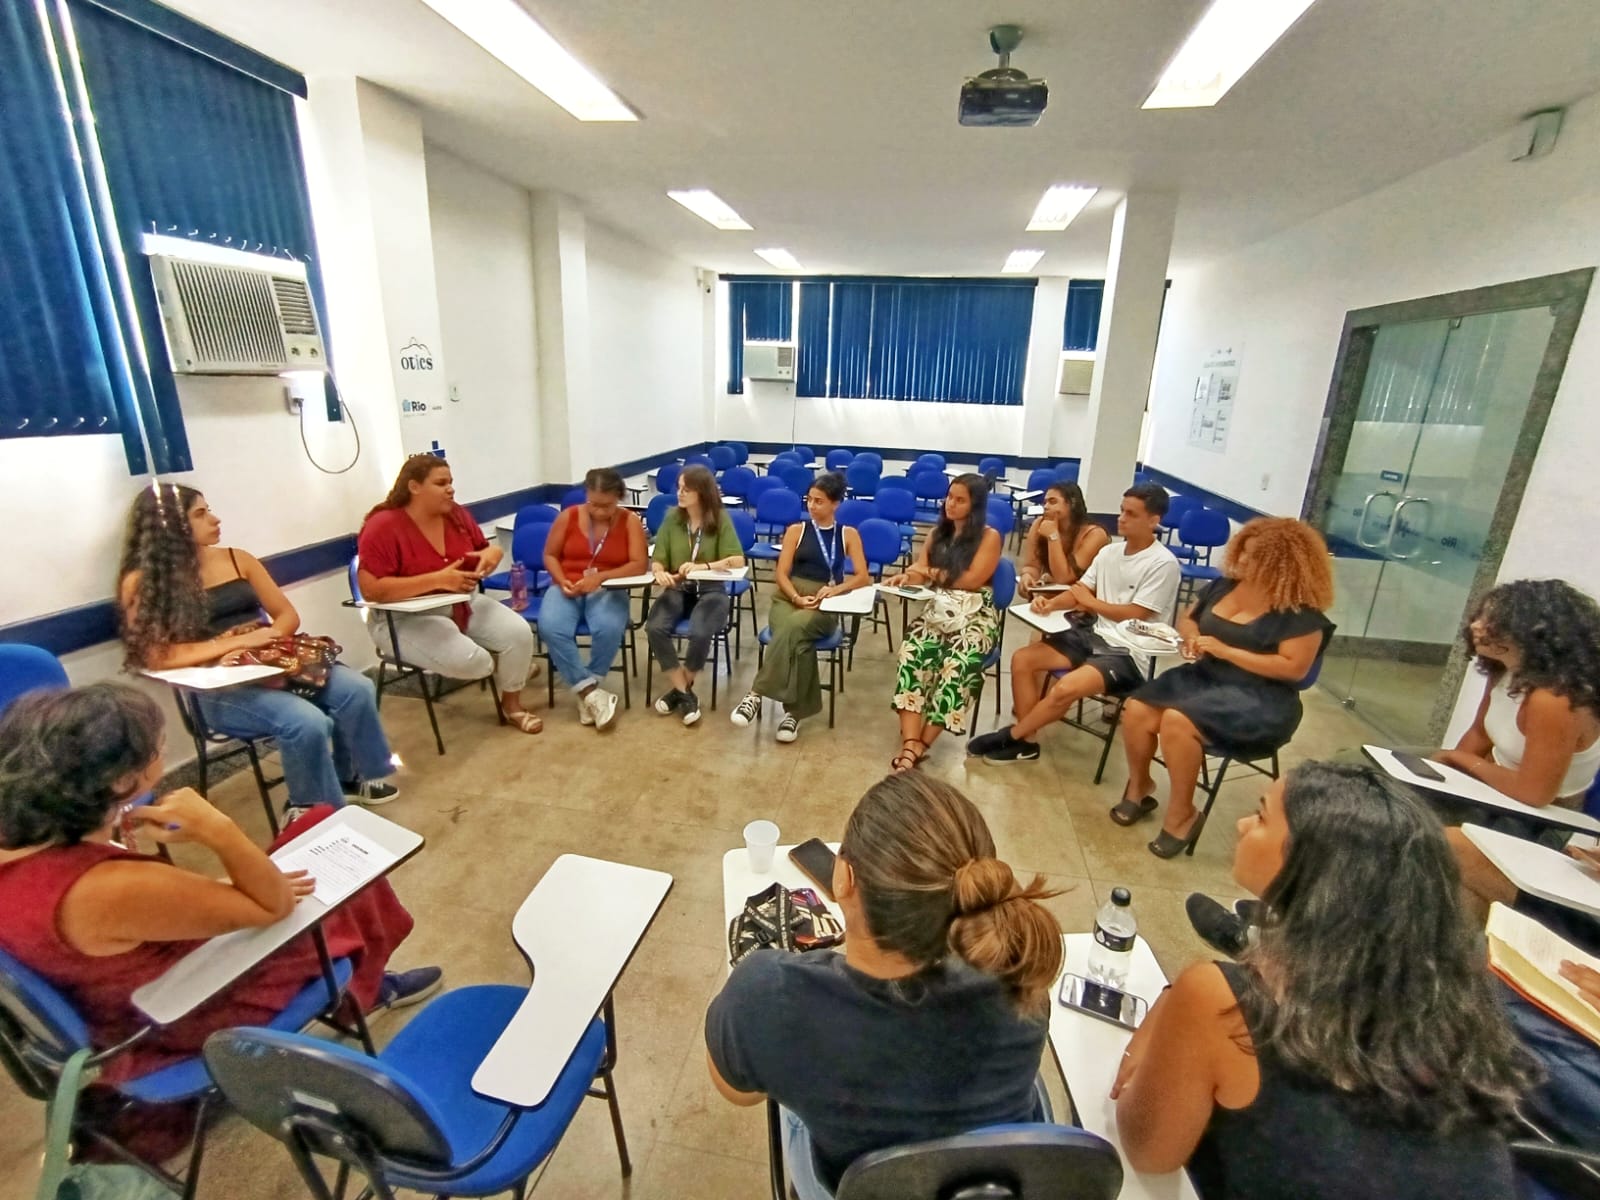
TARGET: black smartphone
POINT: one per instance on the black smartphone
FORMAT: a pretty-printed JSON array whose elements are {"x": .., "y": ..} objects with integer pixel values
[
  {"x": 1418, "y": 766},
  {"x": 1103, "y": 1001},
  {"x": 815, "y": 861}
]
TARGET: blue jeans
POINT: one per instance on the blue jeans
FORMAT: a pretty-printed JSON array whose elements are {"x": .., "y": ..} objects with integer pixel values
[
  {"x": 1569, "y": 1098},
  {"x": 606, "y": 615},
  {"x": 323, "y": 744}
]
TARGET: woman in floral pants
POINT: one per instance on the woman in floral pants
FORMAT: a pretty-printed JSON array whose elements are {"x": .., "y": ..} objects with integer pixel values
[{"x": 941, "y": 659}]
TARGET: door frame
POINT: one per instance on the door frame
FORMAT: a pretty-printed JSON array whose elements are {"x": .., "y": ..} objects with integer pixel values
[{"x": 1565, "y": 294}]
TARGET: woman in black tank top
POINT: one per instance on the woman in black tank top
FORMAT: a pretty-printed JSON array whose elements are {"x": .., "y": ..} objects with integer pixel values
[
  {"x": 1356, "y": 1049},
  {"x": 186, "y": 601}
]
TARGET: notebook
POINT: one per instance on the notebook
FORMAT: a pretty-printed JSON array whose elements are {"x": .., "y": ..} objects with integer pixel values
[{"x": 1528, "y": 957}]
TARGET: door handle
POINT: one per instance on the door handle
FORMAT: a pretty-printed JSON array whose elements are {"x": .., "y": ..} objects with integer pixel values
[
  {"x": 1394, "y": 525},
  {"x": 1362, "y": 524}
]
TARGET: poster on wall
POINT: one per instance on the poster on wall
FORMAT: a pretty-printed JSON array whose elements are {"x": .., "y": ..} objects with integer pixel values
[
  {"x": 419, "y": 388},
  {"x": 1213, "y": 400}
]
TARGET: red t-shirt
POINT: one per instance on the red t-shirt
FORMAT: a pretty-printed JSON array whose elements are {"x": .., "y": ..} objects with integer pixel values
[
  {"x": 391, "y": 545},
  {"x": 578, "y": 552}
]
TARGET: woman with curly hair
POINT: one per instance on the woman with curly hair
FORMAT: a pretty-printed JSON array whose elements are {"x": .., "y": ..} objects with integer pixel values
[
  {"x": 1536, "y": 736},
  {"x": 187, "y": 601},
  {"x": 1251, "y": 637},
  {"x": 1335, "y": 1060}
]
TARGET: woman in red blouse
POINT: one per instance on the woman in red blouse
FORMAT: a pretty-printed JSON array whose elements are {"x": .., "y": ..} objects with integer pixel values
[{"x": 420, "y": 541}]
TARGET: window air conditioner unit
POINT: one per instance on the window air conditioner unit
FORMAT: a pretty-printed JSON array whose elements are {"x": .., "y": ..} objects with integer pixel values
[
  {"x": 235, "y": 320},
  {"x": 769, "y": 360},
  {"x": 1076, "y": 376}
]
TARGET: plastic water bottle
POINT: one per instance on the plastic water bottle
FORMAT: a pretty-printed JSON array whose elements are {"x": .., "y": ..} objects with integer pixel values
[
  {"x": 1114, "y": 931},
  {"x": 519, "y": 587}
]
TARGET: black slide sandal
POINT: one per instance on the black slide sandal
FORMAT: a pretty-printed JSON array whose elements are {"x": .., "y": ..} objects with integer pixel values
[{"x": 1128, "y": 811}]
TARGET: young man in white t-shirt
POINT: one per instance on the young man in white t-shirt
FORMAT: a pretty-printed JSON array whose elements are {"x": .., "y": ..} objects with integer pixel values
[{"x": 1136, "y": 578}]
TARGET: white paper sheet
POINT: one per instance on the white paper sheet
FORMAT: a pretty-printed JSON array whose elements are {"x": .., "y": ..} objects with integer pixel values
[{"x": 340, "y": 860}]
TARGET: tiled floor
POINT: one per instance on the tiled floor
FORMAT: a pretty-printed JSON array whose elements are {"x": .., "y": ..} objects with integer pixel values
[{"x": 500, "y": 806}]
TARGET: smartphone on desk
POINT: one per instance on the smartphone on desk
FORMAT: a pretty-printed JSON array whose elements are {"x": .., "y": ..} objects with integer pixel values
[
  {"x": 1102, "y": 1001},
  {"x": 1418, "y": 766},
  {"x": 815, "y": 861}
]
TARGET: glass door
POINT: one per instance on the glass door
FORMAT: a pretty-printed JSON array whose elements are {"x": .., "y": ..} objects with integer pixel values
[{"x": 1409, "y": 509}]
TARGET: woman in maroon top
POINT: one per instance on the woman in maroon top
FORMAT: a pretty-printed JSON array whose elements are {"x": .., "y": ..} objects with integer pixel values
[
  {"x": 588, "y": 544},
  {"x": 99, "y": 921},
  {"x": 420, "y": 541}
]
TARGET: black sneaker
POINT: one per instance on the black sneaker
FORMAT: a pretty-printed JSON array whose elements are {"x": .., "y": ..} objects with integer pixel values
[
  {"x": 985, "y": 742},
  {"x": 689, "y": 706},
  {"x": 370, "y": 794},
  {"x": 669, "y": 702},
  {"x": 1217, "y": 927},
  {"x": 1251, "y": 912},
  {"x": 402, "y": 989},
  {"x": 1014, "y": 750}
]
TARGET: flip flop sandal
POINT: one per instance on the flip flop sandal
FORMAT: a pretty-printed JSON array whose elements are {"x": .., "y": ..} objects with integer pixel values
[
  {"x": 526, "y": 721},
  {"x": 1169, "y": 845},
  {"x": 1129, "y": 812},
  {"x": 910, "y": 760}
]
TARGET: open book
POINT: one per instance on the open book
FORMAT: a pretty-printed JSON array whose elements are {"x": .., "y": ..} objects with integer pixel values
[{"x": 1528, "y": 957}]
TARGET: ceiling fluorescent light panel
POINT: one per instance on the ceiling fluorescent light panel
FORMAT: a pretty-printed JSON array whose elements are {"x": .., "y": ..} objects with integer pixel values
[
  {"x": 710, "y": 208},
  {"x": 1225, "y": 43},
  {"x": 780, "y": 258},
  {"x": 1059, "y": 207},
  {"x": 505, "y": 30},
  {"x": 1020, "y": 262}
]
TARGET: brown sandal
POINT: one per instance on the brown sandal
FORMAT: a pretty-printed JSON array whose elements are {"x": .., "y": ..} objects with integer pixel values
[
  {"x": 526, "y": 721},
  {"x": 906, "y": 761}
]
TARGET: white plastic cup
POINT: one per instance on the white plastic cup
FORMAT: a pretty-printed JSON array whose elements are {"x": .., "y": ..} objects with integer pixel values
[{"x": 760, "y": 842}]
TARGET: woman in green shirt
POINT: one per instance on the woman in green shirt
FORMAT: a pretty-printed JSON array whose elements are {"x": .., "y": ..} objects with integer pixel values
[{"x": 696, "y": 536}]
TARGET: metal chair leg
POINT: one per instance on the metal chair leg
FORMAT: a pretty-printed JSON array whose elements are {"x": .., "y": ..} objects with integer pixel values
[
  {"x": 1213, "y": 786},
  {"x": 197, "y": 1149},
  {"x": 261, "y": 786}
]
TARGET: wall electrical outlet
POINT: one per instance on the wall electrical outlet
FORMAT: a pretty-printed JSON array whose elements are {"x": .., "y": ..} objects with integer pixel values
[{"x": 292, "y": 401}]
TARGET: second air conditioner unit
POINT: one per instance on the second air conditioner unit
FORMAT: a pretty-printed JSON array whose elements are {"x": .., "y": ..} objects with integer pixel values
[
  {"x": 236, "y": 320},
  {"x": 769, "y": 360}
]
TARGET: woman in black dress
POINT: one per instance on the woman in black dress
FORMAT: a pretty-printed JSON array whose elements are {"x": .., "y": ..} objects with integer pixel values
[{"x": 1251, "y": 638}]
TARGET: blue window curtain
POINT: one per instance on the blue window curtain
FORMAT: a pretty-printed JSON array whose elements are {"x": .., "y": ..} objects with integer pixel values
[
  {"x": 192, "y": 148},
  {"x": 811, "y": 372},
  {"x": 961, "y": 341},
  {"x": 759, "y": 310},
  {"x": 1082, "y": 327},
  {"x": 63, "y": 368}
]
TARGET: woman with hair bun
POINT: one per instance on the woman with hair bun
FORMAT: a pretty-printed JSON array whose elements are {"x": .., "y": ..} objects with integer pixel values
[{"x": 933, "y": 1019}]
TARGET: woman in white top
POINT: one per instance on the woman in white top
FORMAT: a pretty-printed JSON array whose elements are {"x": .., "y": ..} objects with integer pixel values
[{"x": 1536, "y": 736}]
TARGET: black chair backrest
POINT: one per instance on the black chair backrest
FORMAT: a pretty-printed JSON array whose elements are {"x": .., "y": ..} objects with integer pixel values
[
  {"x": 283, "y": 1081},
  {"x": 1009, "y": 1162}
]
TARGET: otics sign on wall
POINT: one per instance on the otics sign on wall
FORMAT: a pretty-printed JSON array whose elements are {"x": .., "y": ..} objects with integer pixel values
[{"x": 414, "y": 373}]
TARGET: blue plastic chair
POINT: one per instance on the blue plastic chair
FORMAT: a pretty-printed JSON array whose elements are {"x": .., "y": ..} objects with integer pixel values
[
  {"x": 930, "y": 459},
  {"x": 1004, "y": 584},
  {"x": 931, "y": 487},
  {"x": 667, "y": 479},
  {"x": 1178, "y": 507},
  {"x": 760, "y": 484},
  {"x": 741, "y": 452},
  {"x": 798, "y": 479},
  {"x": 829, "y": 654},
  {"x": 805, "y": 454},
  {"x": 40, "y": 1030},
  {"x": 700, "y": 460},
  {"x": 853, "y": 512},
  {"x": 408, "y": 1117},
  {"x": 899, "y": 506},
  {"x": 889, "y": 483},
  {"x": 776, "y": 510},
  {"x": 535, "y": 513},
  {"x": 575, "y": 496},
  {"x": 787, "y": 459},
  {"x": 1040, "y": 478},
  {"x": 862, "y": 480},
  {"x": 25, "y": 668},
  {"x": 737, "y": 481},
  {"x": 656, "y": 512},
  {"x": 838, "y": 459},
  {"x": 993, "y": 466},
  {"x": 1201, "y": 531},
  {"x": 869, "y": 456},
  {"x": 1000, "y": 516},
  {"x": 724, "y": 457},
  {"x": 527, "y": 548},
  {"x": 883, "y": 547}
]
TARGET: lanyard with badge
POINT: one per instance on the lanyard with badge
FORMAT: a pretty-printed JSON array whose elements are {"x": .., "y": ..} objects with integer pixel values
[
  {"x": 831, "y": 550},
  {"x": 694, "y": 553},
  {"x": 595, "y": 547}
]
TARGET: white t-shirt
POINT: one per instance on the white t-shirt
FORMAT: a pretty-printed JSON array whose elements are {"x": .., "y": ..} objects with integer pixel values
[{"x": 1148, "y": 579}]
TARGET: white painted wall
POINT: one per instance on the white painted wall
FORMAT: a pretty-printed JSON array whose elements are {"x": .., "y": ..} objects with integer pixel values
[
  {"x": 646, "y": 338},
  {"x": 1471, "y": 221},
  {"x": 483, "y": 267}
]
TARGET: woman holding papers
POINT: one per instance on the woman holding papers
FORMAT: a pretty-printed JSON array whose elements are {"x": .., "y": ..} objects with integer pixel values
[
  {"x": 98, "y": 920},
  {"x": 1536, "y": 734},
  {"x": 185, "y": 600},
  {"x": 1061, "y": 542},
  {"x": 695, "y": 536},
  {"x": 1355, "y": 1049},
  {"x": 819, "y": 558},
  {"x": 942, "y": 654}
]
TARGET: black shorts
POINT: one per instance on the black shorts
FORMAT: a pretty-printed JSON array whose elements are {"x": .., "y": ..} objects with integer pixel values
[{"x": 1081, "y": 648}]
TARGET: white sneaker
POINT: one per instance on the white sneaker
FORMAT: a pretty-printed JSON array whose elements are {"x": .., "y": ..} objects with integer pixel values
[
  {"x": 788, "y": 728},
  {"x": 585, "y": 714},
  {"x": 749, "y": 709},
  {"x": 602, "y": 707}
]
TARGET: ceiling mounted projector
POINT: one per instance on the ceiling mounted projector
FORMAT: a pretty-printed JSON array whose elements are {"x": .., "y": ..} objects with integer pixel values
[{"x": 1003, "y": 96}]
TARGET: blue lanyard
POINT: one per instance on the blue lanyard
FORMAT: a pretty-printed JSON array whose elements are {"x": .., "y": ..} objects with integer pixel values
[{"x": 831, "y": 550}]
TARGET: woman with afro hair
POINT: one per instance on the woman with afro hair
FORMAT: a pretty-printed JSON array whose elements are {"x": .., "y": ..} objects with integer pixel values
[
  {"x": 1250, "y": 638},
  {"x": 1536, "y": 736}
]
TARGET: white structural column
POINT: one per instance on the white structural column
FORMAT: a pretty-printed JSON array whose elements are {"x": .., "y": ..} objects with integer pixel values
[
  {"x": 1044, "y": 367},
  {"x": 561, "y": 300},
  {"x": 379, "y": 247},
  {"x": 1130, "y": 315}
]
